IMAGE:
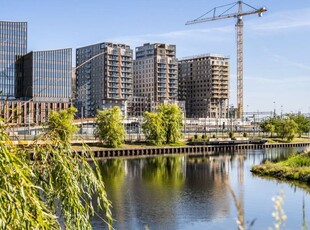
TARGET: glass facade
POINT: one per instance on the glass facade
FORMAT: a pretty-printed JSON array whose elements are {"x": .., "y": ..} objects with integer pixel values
[
  {"x": 47, "y": 75},
  {"x": 13, "y": 44}
]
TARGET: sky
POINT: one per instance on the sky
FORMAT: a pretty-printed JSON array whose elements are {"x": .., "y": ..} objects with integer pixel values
[{"x": 276, "y": 46}]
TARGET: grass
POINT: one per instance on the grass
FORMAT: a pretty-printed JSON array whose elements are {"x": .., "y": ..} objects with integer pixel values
[
  {"x": 280, "y": 140},
  {"x": 296, "y": 167}
]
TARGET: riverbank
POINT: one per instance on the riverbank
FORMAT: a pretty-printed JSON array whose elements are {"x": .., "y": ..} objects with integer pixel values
[
  {"x": 296, "y": 167},
  {"x": 151, "y": 151}
]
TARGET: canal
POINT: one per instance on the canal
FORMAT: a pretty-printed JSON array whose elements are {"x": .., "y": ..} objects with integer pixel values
[{"x": 196, "y": 192}]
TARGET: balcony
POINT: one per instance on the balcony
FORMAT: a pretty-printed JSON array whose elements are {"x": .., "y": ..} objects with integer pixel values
[
  {"x": 112, "y": 57},
  {"x": 113, "y": 63},
  {"x": 126, "y": 80},
  {"x": 127, "y": 53},
  {"x": 128, "y": 59},
  {"x": 161, "y": 70},
  {"x": 112, "y": 79},
  {"x": 127, "y": 70},
  {"x": 127, "y": 86},
  {"x": 113, "y": 85},
  {"x": 113, "y": 52},
  {"x": 127, "y": 64},
  {"x": 112, "y": 68}
]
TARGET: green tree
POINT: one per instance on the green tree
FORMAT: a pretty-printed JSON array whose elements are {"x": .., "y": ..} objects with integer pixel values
[
  {"x": 109, "y": 127},
  {"x": 302, "y": 121},
  {"x": 172, "y": 122},
  {"x": 153, "y": 128},
  {"x": 56, "y": 179},
  {"x": 270, "y": 125},
  {"x": 60, "y": 124},
  {"x": 68, "y": 181},
  {"x": 287, "y": 129},
  {"x": 21, "y": 206}
]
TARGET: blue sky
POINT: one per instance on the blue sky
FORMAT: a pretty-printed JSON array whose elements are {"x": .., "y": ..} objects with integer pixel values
[{"x": 276, "y": 46}]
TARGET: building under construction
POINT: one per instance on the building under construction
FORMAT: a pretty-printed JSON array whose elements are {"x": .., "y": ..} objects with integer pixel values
[{"x": 204, "y": 85}]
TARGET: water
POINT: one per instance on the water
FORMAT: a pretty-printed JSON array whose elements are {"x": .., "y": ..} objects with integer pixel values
[{"x": 196, "y": 192}]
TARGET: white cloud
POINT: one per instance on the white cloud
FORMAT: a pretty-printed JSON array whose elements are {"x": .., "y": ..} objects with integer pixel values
[
  {"x": 272, "y": 80},
  {"x": 280, "y": 59},
  {"x": 201, "y": 35},
  {"x": 273, "y": 22}
]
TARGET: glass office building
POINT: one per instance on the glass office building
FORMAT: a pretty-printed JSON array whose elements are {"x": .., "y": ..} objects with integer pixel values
[
  {"x": 13, "y": 44},
  {"x": 47, "y": 76}
]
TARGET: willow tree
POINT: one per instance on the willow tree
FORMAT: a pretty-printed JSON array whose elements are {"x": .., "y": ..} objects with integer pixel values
[
  {"x": 163, "y": 126},
  {"x": 153, "y": 128},
  {"x": 60, "y": 124},
  {"x": 109, "y": 127},
  {"x": 55, "y": 183},
  {"x": 172, "y": 122},
  {"x": 69, "y": 183},
  {"x": 21, "y": 206}
]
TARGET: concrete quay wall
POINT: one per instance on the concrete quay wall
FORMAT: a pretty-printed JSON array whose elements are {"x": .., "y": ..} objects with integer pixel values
[{"x": 187, "y": 150}]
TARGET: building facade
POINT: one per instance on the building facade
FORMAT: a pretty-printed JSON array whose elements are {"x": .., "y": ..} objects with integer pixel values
[
  {"x": 204, "y": 85},
  {"x": 156, "y": 73},
  {"x": 103, "y": 76},
  {"x": 46, "y": 76},
  {"x": 13, "y": 44},
  {"x": 23, "y": 113}
]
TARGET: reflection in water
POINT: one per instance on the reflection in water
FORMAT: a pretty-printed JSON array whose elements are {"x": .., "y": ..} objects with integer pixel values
[
  {"x": 113, "y": 175},
  {"x": 191, "y": 192},
  {"x": 163, "y": 171}
]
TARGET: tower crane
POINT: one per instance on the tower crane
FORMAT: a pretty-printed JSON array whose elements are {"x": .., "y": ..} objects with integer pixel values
[{"x": 239, "y": 35}]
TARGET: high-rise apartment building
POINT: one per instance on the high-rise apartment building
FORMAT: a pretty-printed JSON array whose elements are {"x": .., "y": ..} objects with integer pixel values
[
  {"x": 103, "y": 76},
  {"x": 13, "y": 44},
  {"x": 204, "y": 85},
  {"x": 156, "y": 73},
  {"x": 46, "y": 76}
]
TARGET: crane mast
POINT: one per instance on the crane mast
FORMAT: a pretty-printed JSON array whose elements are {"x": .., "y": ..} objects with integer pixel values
[
  {"x": 239, "y": 34},
  {"x": 239, "y": 37}
]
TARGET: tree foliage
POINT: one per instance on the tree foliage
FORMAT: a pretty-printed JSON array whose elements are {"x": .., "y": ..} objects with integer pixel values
[
  {"x": 153, "y": 128},
  {"x": 302, "y": 121},
  {"x": 172, "y": 122},
  {"x": 109, "y": 127},
  {"x": 163, "y": 126},
  {"x": 55, "y": 184},
  {"x": 284, "y": 127},
  {"x": 60, "y": 124},
  {"x": 267, "y": 127},
  {"x": 21, "y": 206},
  {"x": 287, "y": 129}
]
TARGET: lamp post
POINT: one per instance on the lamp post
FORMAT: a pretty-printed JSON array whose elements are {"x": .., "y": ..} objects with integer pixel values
[
  {"x": 274, "y": 109},
  {"x": 281, "y": 111}
]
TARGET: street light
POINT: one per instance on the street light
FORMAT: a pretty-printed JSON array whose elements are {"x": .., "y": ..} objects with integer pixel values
[
  {"x": 274, "y": 109},
  {"x": 281, "y": 111}
]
